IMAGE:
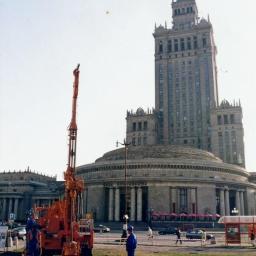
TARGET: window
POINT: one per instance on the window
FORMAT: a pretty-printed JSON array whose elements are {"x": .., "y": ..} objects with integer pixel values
[
  {"x": 176, "y": 45},
  {"x": 160, "y": 47},
  {"x": 195, "y": 42},
  {"x": 139, "y": 126},
  {"x": 145, "y": 125},
  {"x": 169, "y": 45},
  {"x": 225, "y": 119},
  {"x": 204, "y": 42},
  {"x": 219, "y": 119},
  {"x": 182, "y": 44},
  {"x": 139, "y": 140},
  {"x": 144, "y": 140},
  {"x": 134, "y": 127},
  {"x": 232, "y": 119},
  {"x": 189, "y": 43},
  {"x": 133, "y": 142}
]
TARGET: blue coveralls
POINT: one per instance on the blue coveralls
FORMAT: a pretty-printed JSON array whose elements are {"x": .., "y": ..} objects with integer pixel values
[{"x": 131, "y": 244}]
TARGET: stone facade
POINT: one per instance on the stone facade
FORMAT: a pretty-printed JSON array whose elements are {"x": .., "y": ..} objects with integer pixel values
[
  {"x": 141, "y": 127},
  {"x": 19, "y": 191},
  {"x": 165, "y": 178},
  {"x": 227, "y": 133},
  {"x": 186, "y": 89}
]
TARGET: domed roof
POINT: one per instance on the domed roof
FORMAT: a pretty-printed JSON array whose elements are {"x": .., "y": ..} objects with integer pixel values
[{"x": 159, "y": 152}]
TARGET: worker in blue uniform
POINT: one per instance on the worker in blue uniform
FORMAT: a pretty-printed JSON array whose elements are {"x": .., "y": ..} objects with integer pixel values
[{"x": 131, "y": 242}]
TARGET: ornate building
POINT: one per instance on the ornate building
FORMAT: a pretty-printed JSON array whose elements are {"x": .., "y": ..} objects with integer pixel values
[
  {"x": 167, "y": 169},
  {"x": 19, "y": 191},
  {"x": 165, "y": 178},
  {"x": 169, "y": 165},
  {"x": 186, "y": 89}
]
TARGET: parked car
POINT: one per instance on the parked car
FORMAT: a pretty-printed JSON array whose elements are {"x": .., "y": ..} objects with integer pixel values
[
  {"x": 167, "y": 231},
  {"x": 20, "y": 232},
  {"x": 101, "y": 229},
  {"x": 197, "y": 234}
]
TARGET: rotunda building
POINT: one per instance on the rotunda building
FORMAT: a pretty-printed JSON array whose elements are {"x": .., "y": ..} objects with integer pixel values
[{"x": 165, "y": 178}]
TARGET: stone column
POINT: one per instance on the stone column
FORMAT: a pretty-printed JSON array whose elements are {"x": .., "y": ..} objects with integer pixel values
[
  {"x": 242, "y": 202},
  {"x": 117, "y": 204},
  {"x": 110, "y": 205},
  {"x": 193, "y": 200},
  {"x": 16, "y": 204},
  {"x": 4, "y": 209},
  {"x": 238, "y": 203},
  {"x": 222, "y": 203},
  {"x": 10, "y": 207},
  {"x": 85, "y": 201},
  {"x": 227, "y": 207},
  {"x": 132, "y": 217},
  {"x": 139, "y": 204},
  {"x": 174, "y": 203}
]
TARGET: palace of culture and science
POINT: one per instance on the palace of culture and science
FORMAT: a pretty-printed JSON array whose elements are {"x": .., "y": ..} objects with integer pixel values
[
  {"x": 187, "y": 108},
  {"x": 184, "y": 156}
]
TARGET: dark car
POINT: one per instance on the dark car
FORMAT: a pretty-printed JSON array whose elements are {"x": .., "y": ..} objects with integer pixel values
[
  {"x": 197, "y": 234},
  {"x": 167, "y": 231},
  {"x": 101, "y": 229},
  {"x": 20, "y": 232}
]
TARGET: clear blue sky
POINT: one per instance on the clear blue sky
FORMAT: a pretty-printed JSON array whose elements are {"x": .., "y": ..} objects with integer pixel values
[{"x": 41, "y": 43}]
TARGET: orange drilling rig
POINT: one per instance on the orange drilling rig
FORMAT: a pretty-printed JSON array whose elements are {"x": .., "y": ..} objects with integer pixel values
[{"x": 61, "y": 232}]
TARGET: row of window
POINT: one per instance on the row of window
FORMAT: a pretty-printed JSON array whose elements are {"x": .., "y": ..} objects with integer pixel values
[
  {"x": 182, "y": 11},
  {"x": 139, "y": 141},
  {"x": 139, "y": 126},
  {"x": 226, "y": 119},
  {"x": 181, "y": 44}
]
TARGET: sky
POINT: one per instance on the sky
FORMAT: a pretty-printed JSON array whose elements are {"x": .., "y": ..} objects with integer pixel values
[{"x": 43, "y": 41}]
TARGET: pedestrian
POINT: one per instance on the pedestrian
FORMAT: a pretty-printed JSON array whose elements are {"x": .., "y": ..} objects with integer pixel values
[
  {"x": 252, "y": 238},
  {"x": 131, "y": 242},
  {"x": 150, "y": 233},
  {"x": 178, "y": 234},
  {"x": 204, "y": 237}
]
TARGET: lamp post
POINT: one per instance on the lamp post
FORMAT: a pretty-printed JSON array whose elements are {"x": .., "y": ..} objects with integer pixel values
[
  {"x": 235, "y": 212},
  {"x": 125, "y": 217}
]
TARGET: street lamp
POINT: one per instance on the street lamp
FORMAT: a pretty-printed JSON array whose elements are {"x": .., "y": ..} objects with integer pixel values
[
  {"x": 235, "y": 212},
  {"x": 125, "y": 217}
]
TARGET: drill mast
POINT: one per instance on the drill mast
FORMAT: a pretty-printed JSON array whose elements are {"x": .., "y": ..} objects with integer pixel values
[{"x": 73, "y": 186}]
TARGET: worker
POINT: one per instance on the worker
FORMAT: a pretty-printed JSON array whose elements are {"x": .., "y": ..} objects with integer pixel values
[
  {"x": 131, "y": 242},
  {"x": 33, "y": 241}
]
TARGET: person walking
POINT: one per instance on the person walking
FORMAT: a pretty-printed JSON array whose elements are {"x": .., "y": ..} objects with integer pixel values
[
  {"x": 178, "y": 234},
  {"x": 131, "y": 242},
  {"x": 150, "y": 233}
]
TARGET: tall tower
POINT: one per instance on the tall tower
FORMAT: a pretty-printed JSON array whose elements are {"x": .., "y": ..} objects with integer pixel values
[
  {"x": 185, "y": 77},
  {"x": 228, "y": 133}
]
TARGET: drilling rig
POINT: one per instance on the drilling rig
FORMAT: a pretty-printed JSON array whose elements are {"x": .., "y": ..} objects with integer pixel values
[{"x": 61, "y": 230}]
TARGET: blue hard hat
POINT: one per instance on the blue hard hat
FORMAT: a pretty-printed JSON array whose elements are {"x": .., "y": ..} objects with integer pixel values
[{"x": 130, "y": 228}]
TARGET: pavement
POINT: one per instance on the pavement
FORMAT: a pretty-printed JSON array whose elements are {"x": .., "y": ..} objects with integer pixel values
[{"x": 161, "y": 243}]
